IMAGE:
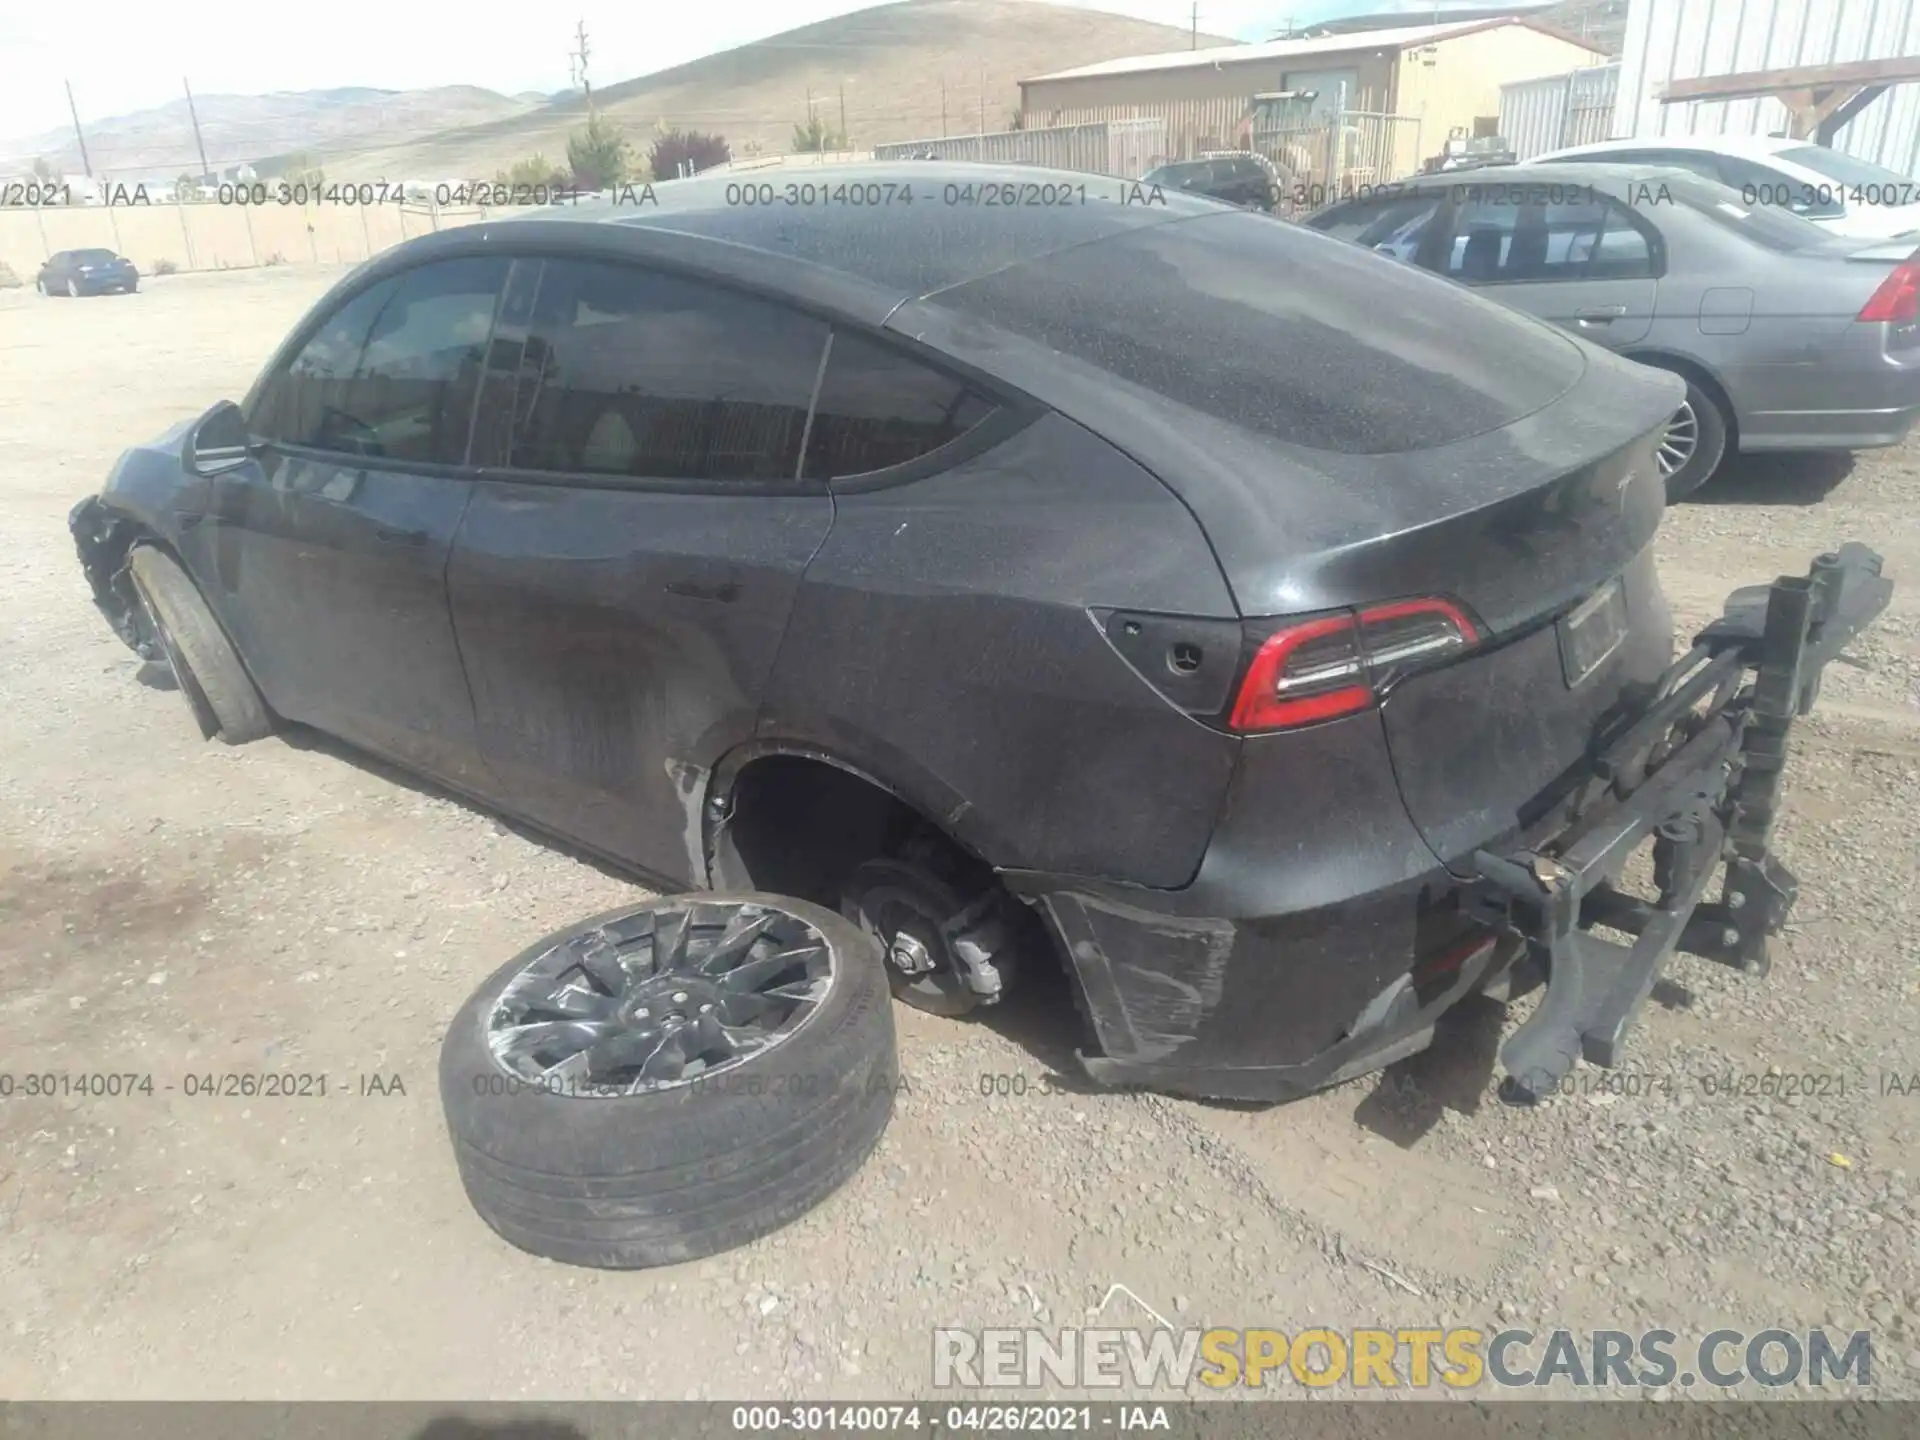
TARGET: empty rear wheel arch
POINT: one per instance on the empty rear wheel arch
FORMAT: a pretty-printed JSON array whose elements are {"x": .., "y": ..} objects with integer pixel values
[{"x": 805, "y": 826}]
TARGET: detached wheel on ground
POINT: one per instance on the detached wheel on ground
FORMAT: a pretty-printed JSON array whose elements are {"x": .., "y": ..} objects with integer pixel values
[
  {"x": 207, "y": 668},
  {"x": 669, "y": 1080},
  {"x": 1695, "y": 443}
]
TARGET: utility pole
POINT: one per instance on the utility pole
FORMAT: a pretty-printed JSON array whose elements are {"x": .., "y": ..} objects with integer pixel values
[
  {"x": 983, "y": 100},
  {"x": 199, "y": 144},
  {"x": 1196, "y": 26},
  {"x": 577, "y": 59},
  {"x": 843, "y": 116},
  {"x": 85, "y": 163},
  {"x": 943, "y": 107}
]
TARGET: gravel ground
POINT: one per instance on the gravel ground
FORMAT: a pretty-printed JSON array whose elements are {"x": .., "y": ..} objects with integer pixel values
[{"x": 175, "y": 908}]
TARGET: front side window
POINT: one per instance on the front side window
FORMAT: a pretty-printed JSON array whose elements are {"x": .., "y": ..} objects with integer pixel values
[
  {"x": 632, "y": 372},
  {"x": 879, "y": 408},
  {"x": 392, "y": 374}
]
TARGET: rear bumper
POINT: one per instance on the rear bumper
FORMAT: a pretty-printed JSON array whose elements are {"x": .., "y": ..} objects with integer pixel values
[
  {"x": 1325, "y": 942},
  {"x": 1861, "y": 397}
]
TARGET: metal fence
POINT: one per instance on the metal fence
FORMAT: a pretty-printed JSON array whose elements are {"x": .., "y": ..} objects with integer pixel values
[
  {"x": 1340, "y": 153},
  {"x": 1125, "y": 148},
  {"x": 1559, "y": 110}
]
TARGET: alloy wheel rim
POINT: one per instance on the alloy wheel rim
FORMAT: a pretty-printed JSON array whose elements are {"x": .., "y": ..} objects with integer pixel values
[
  {"x": 1681, "y": 440},
  {"x": 660, "y": 998}
]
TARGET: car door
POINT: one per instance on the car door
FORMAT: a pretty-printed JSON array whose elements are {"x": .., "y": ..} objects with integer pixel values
[
  {"x": 623, "y": 577},
  {"x": 1567, "y": 254},
  {"x": 328, "y": 549}
]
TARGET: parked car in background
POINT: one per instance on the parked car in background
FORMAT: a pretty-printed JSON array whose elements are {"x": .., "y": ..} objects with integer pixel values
[
  {"x": 1162, "y": 592},
  {"x": 1241, "y": 178},
  {"x": 1848, "y": 195},
  {"x": 86, "y": 272},
  {"x": 1789, "y": 336}
]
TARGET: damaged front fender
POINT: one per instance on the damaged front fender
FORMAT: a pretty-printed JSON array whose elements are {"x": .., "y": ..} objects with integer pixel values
[{"x": 103, "y": 536}]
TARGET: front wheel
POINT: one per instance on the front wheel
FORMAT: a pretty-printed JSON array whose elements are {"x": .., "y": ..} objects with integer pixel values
[
  {"x": 1694, "y": 445},
  {"x": 205, "y": 665}
]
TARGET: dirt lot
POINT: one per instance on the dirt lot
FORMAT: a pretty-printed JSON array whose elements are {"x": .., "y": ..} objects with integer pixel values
[{"x": 176, "y": 908}]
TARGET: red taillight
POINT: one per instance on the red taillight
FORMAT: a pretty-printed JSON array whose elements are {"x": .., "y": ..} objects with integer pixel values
[
  {"x": 1340, "y": 664},
  {"x": 1897, "y": 301}
]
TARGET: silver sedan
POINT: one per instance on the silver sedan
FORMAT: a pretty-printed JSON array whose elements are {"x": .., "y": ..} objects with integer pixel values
[{"x": 1788, "y": 336}]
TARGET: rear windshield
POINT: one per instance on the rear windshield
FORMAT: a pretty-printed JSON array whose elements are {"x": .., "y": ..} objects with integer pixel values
[
  {"x": 1772, "y": 226},
  {"x": 94, "y": 257},
  {"x": 1291, "y": 334},
  {"x": 1847, "y": 169}
]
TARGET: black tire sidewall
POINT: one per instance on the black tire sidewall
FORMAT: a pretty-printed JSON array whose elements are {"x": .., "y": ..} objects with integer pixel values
[{"x": 737, "y": 1159}]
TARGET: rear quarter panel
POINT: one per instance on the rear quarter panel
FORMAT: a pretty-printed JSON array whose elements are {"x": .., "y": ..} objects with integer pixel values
[{"x": 941, "y": 642}]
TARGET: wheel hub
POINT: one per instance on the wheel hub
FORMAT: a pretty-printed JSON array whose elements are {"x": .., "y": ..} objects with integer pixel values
[
  {"x": 1681, "y": 439},
  {"x": 910, "y": 955}
]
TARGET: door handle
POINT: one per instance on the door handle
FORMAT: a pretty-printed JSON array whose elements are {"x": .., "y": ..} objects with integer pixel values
[
  {"x": 1599, "y": 314},
  {"x": 399, "y": 537}
]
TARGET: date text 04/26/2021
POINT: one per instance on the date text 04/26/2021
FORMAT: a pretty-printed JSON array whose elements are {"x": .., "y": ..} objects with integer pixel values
[{"x": 199, "y": 1085}]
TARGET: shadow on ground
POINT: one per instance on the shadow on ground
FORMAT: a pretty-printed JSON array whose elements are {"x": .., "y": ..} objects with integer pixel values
[
  {"x": 299, "y": 737},
  {"x": 1780, "y": 479}
]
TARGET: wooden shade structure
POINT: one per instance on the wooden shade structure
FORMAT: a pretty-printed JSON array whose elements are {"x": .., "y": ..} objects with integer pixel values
[{"x": 1821, "y": 99}]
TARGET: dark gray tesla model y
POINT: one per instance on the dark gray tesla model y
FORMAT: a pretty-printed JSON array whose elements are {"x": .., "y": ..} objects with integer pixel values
[{"x": 1030, "y": 565}]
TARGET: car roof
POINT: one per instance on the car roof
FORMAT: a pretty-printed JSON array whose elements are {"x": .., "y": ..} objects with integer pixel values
[
  {"x": 1748, "y": 145},
  {"x": 1618, "y": 179},
  {"x": 965, "y": 220}
]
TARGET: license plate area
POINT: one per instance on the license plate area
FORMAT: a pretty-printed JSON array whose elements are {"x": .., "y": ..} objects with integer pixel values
[{"x": 1592, "y": 631}]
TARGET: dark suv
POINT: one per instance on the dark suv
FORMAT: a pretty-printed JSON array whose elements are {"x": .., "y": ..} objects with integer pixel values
[
  {"x": 1244, "y": 180},
  {"x": 1278, "y": 623}
]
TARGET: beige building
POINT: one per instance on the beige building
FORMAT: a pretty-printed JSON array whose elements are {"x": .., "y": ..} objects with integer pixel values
[{"x": 1399, "y": 93}]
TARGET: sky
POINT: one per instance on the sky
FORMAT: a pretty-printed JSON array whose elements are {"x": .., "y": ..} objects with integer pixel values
[{"x": 133, "y": 53}]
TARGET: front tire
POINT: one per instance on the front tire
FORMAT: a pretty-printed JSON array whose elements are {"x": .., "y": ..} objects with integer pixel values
[
  {"x": 1695, "y": 443},
  {"x": 666, "y": 1081},
  {"x": 208, "y": 669}
]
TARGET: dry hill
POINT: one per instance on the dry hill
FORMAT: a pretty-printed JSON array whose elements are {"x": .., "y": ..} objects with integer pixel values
[
  {"x": 251, "y": 128},
  {"x": 889, "y": 61}
]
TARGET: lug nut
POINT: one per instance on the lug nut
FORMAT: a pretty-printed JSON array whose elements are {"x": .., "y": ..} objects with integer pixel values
[
  {"x": 1736, "y": 899},
  {"x": 1729, "y": 936},
  {"x": 679, "y": 997}
]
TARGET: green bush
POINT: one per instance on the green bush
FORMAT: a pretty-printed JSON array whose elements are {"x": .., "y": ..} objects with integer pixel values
[
  {"x": 599, "y": 155},
  {"x": 816, "y": 136},
  {"x": 535, "y": 170}
]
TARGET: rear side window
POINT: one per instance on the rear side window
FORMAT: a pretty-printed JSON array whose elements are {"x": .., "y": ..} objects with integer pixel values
[
  {"x": 393, "y": 373},
  {"x": 1393, "y": 226},
  {"x": 634, "y": 372},
  {"x": 1284, "y": 332},
  {"x": 1505, "y": 240},
  {"x": 879, "y": 408}
]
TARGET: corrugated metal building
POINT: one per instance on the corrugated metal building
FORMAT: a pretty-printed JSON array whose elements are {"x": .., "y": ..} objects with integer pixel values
[
  {"x": 1558, "y": 110},
  {"x": 1686, "y": 39},
  {"x": 1441, "y": 77}
]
